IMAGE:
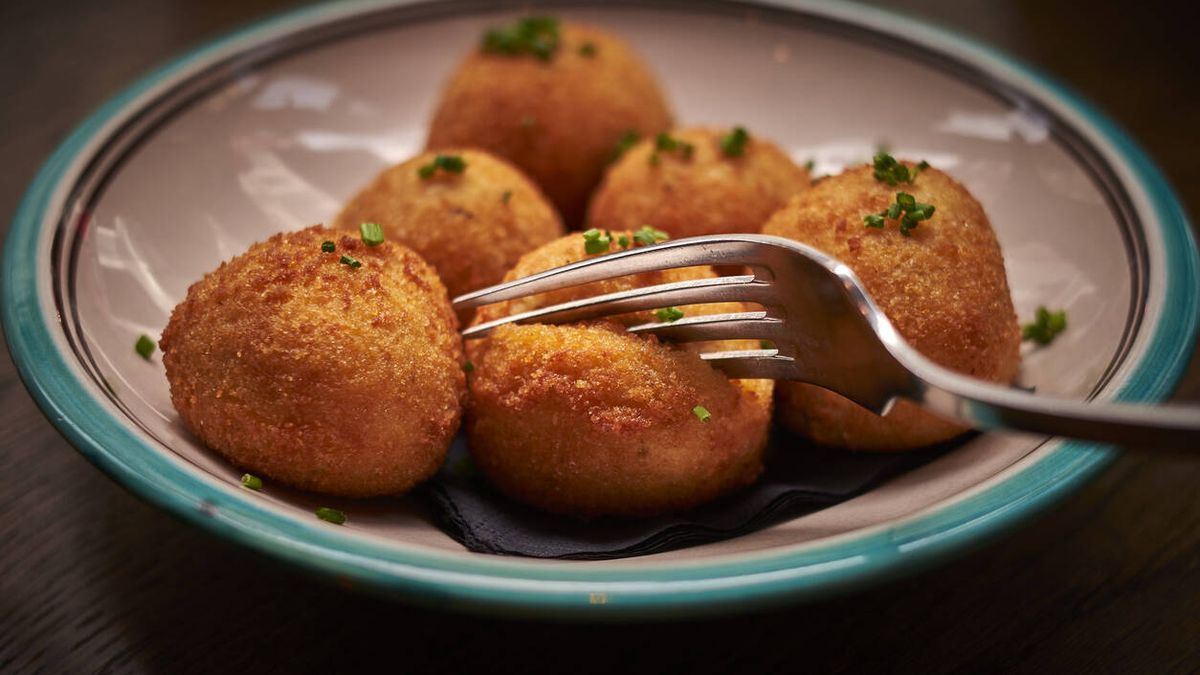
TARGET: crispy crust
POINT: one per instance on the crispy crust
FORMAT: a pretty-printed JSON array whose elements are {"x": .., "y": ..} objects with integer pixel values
[
  {"x": 587, "y": 419},
  {"x": 472, "y": 227},
  {"x": 707, "y": 193},
  {"x": 317, "y": 375},
  {"x": 557, "y": 120},
  {"x": 944, "y": 288}
]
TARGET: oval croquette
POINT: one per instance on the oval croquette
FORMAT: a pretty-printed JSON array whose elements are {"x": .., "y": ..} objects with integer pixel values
[
  {"x": 317, "y": 374},
  {"x": 558, "y": 119},
  {"x": 702, "y": 191},
  {"x": 588, "y": 419},
  {"x": 943, "y": 286},
  {"x": 472, "y": 226}
]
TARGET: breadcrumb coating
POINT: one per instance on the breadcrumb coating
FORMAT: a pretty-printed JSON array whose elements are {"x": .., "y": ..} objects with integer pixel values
[{"x": 317, "y": 374}]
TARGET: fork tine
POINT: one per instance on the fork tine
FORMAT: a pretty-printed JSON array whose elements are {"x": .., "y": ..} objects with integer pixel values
[
  {"x": 734, "y": 326},
  {"x": 765, "y": 364},
  {"x": 710, "y": 250},
  {"x": 740, "y": 288}
]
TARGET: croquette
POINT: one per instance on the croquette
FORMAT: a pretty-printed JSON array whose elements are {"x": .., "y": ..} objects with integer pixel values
[
  {"x": 587, "y": 419},
  {"x": 942, "y": 284},
  {"x": 472, "y": 223},
  {"x": 557, "y": 114},
  {"x": 697, "y": 181},
  {"x": 319, "y": 362}
]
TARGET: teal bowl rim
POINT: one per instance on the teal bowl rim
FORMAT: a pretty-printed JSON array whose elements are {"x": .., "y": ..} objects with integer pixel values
[{"x": 493, "y": 584}]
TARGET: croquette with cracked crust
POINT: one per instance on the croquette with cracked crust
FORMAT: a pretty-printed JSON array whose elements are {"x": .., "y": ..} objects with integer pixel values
[
  {"x": 587, "y": 419},
  {"x": 471, "y": 226},
  {"x": 317, "y": 374},
  {"x": 698, "y": 191},
  {"x": 558, "y": 120},
  {"x": 943, "y": 287}
]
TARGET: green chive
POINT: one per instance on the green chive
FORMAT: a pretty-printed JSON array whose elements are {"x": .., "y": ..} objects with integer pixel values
[
  {"x": 1045, "y": 327},
  {"x": 347, "y": 260},
  {"x": 446, "y": 163},
  {"x": 535, "y": 35},
  {"x": 624, "y": 143},
  {"x": 328, "y": 246},
  {"x": 623, "y": 241},
  {"x": 251, "y": 482},
  {"x": 594, "y": 241},
  {"x": 765, "y": 344},
  {"x": 647, "y": 235},
  {"x": 468, "y": 367},
  {"x": 144, "y": 346},
  {"x": 733, "y": 144},
  {"x": 587, "y": 50},
  {"x": 506, "y": 196},
  {"x": 906, "y": 201},
  {"x": 873, "y": 220},
  {"x": 371, "y": 233},
  {"x": 809, "y": 165},
  {"x": 331, "y": 515},
  {"x": 702, "y": 413},
  {"x": 669, "y": 314}
]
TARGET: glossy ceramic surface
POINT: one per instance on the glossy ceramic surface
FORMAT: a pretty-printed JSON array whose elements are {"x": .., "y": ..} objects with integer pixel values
[{"x": 273, "y": 128}]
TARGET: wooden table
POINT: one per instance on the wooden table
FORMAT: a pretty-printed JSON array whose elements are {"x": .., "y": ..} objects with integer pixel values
[{"x": 93, "y": 579}]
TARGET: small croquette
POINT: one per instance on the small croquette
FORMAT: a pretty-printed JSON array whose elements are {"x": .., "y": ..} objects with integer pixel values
[
  {"x": 471, "y": 225},
  {"x": 559, "y": 118},
  {"x": 697, "y": 188},
  {"x": 304, "y": 368},
  {"x": 943, "y": 286},
  {"x": 587, "y": 419}
]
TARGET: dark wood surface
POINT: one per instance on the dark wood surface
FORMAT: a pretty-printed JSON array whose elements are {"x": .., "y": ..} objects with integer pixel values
[{"x": 92, "y": 579}]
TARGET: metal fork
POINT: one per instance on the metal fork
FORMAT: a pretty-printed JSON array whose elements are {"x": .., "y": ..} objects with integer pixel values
[{"x": 827, "y": 331}]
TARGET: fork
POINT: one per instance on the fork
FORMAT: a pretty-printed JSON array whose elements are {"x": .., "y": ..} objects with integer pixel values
[{"x": 827, "y": 331}]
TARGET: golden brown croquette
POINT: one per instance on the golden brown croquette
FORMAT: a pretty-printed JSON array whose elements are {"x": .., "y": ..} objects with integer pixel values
[
  {"x": 557, "y": 119},
  {"x": 318, "y": 374},
  {"x": 471, "y": 225},
  {"x": 697, "y": 188},
  {"x": 943, "y": 287},
  {"x": 588, "y": 419}
]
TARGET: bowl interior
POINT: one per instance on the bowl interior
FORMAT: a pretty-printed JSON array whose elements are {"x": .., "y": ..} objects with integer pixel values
[{"x": 282, "y": 144}]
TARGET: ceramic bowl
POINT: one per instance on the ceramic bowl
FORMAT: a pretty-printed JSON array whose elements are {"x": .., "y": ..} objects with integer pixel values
[{"x": 273, "y": 127}]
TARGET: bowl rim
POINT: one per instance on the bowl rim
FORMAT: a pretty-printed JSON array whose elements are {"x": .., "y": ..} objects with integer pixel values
[{"x": 523, "y": 586}]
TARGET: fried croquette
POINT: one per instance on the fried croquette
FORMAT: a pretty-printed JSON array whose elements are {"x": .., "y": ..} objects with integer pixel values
[
  {"x": 471, "y": 225},
  {"x": 557, "y": 117},
  {"x": 337, "y": 371},
  {"x": 942, "y": 285},
  {"x": 587, "y": 419},
  {"x": 697, "y": 187}
]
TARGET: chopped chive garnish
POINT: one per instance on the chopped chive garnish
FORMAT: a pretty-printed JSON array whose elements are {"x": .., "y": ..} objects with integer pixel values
[
  {"x": 468, "y": 367},
  {"x": 1045, "y": 327},
  {"x": 328, "y": 246},
  {"x": 251, "y": 482},
  {"x": 906, "y": 209},
  {"x": 809, "y": 165},
  {"x": 647, "y": 235},
  {"x": 666, "y": 143},
  {"x": 669, "y": 314},
  {"x": 625, "y": 142},
  {"x": 347, "y": 260},
  {"x": 587, "y": 49},
  {"x": 144, "y": 346},
  {"x": 623, "y": 241},
  {"x": 371, "y": 233},
  {"x": 536, "y": 35},
  {"x": 733, "y": 144},
  {"x": 595, "y": 241},
  {"x": 765, "y": 344},
  {"x": 447, "y": 163},
  {"x": 528, "y": 121},
  {"x": 331, "y": 515},
  {"x": 702, "y": 413},
  {"x": 506, "y": 196},
  {"x": 892, "y": 172}
]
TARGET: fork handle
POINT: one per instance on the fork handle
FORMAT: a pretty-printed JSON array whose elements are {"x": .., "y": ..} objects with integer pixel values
[{"x": 988, "y": 406}]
